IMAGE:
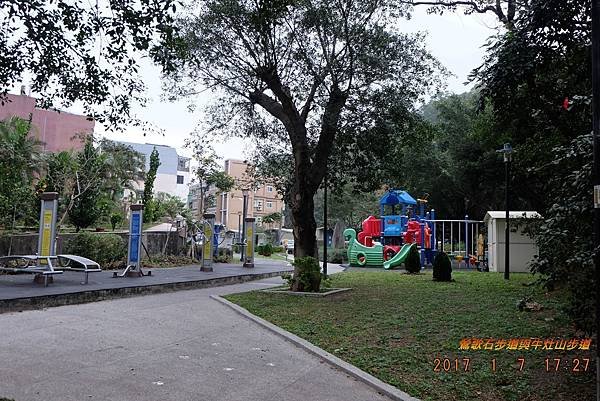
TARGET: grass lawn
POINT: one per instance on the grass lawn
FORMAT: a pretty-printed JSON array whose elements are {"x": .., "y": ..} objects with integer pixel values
[
  {"x": 395, "y": 325},
  {"x": 275, "y": 256}
]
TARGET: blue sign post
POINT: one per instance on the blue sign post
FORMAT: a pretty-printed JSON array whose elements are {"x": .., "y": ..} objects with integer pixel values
[{"x": 134, "y": 248}]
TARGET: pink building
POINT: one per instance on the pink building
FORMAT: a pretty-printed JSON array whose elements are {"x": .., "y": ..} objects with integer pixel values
[{"x": 57, "y": 130}]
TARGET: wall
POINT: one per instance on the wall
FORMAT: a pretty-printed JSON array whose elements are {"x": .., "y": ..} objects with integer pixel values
[
  {"x": 168, "y": 170},
  {"x": 58, "y": 130},
  {"x": 26, "y": 244},
  {"x": 230, "y": 205},
  {"x": 522, "y": 248}
]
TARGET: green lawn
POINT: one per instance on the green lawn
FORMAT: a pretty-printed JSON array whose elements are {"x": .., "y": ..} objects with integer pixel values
[
  {"x": 395, "y": 325},
  {"x": 275, "y": 256}
]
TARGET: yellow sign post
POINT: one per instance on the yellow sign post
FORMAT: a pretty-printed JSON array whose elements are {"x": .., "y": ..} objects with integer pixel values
[
  {"x": 249, "y": 256},
  {"x": 47, "y": 233},
  {"x": 208, "y": 229}
]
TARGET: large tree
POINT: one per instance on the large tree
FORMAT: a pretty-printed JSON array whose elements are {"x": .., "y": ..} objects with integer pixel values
[
  {"x": 457, "y": 165},
  {"x": 90, "y": 175},
  {"x": 80, "y": 50},
  {"x": 208, "y": 173},
  {"x": 298, "y": 73},
  {"x": 20, "y": 163},
  {"x": 148, "y": 196},
  {"x": 539, "y": 80},
  {"x": 126, "y": 166}
]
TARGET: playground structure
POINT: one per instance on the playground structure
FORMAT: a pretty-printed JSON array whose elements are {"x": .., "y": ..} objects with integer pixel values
[
  {"x": 46, "y": 263},
  {"x": 405, "y": 223}
]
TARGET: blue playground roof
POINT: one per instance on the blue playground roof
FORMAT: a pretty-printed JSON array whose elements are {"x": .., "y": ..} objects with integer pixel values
[{"x": 397, "y": 197}]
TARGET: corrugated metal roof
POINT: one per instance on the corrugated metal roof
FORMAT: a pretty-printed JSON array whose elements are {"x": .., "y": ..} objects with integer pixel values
[{"x": 501, "y": 214}]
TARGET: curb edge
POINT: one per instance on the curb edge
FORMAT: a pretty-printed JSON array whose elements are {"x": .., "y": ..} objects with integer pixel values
[{"x": 382, "y": 387}]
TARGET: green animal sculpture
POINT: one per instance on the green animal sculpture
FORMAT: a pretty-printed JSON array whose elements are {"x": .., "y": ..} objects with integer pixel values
[{"x": 360, "y": 255}]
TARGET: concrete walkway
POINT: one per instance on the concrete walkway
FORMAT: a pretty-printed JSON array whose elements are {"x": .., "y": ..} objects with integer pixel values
[
  {"x": 174, "y": 346},
  {"x": 22, "y": 285}
]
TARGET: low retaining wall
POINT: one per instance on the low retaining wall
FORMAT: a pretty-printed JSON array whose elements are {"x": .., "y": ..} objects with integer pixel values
[
  {"x": 26, "y": 244},
  {"x": 45, "y": 301}
]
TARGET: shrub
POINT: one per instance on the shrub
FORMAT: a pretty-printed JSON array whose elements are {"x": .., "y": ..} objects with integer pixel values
[
  {"x": 236, "y": 248},
  {"x": 308, "y": 274},
  {"x": 413, "y": 261},
  {"x": 101, "y": 248},
  {"x": 224, "y": 255},
  {"x": 267, "y": 249},
  {"x": 289, "y": 278},
  {"x": 334, "y": 255},
  {"x": 264, "y": 249},
  {"x": 165, "y": 261},
  {"x": 442, "y": 267},
  {"x": 115, "y": 220},
  {"x": 278, "y": 249},
  {"x": 337, "y": 256}
]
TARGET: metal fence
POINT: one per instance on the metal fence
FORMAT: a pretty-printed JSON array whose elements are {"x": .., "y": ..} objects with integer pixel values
[{"x": 457, "y": 237}]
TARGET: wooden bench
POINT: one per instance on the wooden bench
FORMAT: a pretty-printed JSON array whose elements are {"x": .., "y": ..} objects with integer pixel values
[{"x": 77, "y": 264}]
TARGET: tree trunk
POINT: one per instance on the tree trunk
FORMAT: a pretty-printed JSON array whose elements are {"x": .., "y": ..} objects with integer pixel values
[
  {"x": 305, "y": 227},
  {"x": 338, "y": 235},
  {"x": 305, "y": 236}
]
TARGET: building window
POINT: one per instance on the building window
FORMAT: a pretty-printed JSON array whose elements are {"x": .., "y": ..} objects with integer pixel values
[
  {"x": 258, "y": 205},
  {"x": 183, "y": 164},
  {"x": 180, "y": 179},
  {"x": 269, "y": 204},
  {"x": 269, "y": 188}
]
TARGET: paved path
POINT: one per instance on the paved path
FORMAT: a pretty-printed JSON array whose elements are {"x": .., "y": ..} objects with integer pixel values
[
  {"x": 22, "y": 285},
  {"x": 174, "y": 346}
]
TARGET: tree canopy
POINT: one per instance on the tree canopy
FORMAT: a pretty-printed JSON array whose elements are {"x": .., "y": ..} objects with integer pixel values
[
  {"x": 304, "y": 75},
  {"x": 71, "y": 50},
  {"x": 537, "y": 77},
  {"x": 534, "y": 90},
  {"x": 505, "y": 10},
  {"x": 20, "y": 161},
  {"x": 148, "y": 196}
]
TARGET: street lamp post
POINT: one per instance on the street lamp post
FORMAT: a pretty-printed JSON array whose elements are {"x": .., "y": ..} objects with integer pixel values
[
  {"x": 507, "y": 152},
  {"x": 245, "y": 214},
  {"x": 239, "y": 237}
]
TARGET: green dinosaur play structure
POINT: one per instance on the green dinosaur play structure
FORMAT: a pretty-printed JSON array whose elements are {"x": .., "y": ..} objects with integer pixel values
[
  {"x": 365, "y": 256},
  {"x": 360, "y": 255},
  {"x": 400, "y": 257}
]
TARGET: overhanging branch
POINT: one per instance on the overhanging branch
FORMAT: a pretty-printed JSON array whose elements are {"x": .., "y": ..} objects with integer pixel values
[
  {"x": 473, "y": 5},
  {"x": 329, "y": 127},
  {"x": 272, "y": 106}
]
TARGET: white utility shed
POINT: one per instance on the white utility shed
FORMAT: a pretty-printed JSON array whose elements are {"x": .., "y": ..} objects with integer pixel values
[{"x": 522, "y": 247}]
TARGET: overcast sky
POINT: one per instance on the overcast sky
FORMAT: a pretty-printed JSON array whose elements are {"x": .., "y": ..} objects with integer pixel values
[{"x": 455, "y": 39}]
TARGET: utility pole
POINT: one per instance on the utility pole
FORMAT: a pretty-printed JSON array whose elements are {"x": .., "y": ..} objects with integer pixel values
[
  {"x": 245, "y": 194},
  {"x": 507, "y": 152},
  {"x": 325, "y": 225},
  {"x": 596, "y": 167}
]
